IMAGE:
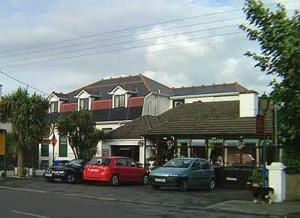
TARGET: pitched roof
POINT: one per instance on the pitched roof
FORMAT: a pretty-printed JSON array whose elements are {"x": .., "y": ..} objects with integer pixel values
[
  {"x": 205, "y": 118},
  {"x": 116, "y": 114},
  {"x": 134, "y": 129},
  {"x": 209, "y": 89}
]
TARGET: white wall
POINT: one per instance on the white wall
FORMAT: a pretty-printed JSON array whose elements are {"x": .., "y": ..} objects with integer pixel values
[
  {"x": 248, "y": 105},
  {"x": 155, "y": 104}
]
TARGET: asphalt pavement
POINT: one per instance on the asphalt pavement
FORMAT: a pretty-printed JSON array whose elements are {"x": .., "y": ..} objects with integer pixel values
[{"x": 217, "y": 203}]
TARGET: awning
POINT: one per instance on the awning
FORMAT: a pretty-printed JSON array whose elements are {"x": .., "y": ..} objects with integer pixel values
[
  {"x": 198, "y": 142},
  {"x": 231, "y": 142},
  {"x": 251, "y": 141},
  {"x": 215, "y": 141},
  {"x": 183, "y": 141}
]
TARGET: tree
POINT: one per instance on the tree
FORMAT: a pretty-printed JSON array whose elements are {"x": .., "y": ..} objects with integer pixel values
[
  {"x": 278, "y": 35},
  {"x": 80, "y": 128},
  {"x": 28, "y": 117}
]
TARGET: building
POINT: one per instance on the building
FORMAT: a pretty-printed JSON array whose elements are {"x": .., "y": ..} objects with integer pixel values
[{"x": 115, "y": 102}]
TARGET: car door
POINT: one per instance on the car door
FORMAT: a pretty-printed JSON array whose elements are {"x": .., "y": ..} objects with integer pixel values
[
  {"x": 122, "y": 170},
  {"x": 134, "y": 171},
  {"x": 206, "y": 172},
  {"x": 195, "y": 176}
]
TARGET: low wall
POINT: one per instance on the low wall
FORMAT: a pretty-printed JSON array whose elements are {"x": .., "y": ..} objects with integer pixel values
[{"x": 292, "y": 186}]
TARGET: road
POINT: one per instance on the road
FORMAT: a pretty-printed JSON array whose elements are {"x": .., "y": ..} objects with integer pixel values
[
  {"x": 30, "y": 203},
  {"x": 34, "y": 197}
]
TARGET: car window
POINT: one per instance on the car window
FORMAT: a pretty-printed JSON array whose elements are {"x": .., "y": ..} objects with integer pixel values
[
  {"x": 179, "y": 163},
  {"x": 205, "y": 165},
  {"x": 129, "y": 162},
  {"x": 121, "y": 162},
  {"x": 196, "y": 164},
  {"x": 100, "y": 161},
  {"x": 75, "y": 162}
]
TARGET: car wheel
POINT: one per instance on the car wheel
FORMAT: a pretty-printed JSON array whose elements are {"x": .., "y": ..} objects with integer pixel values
[
  {"x": 114, "y": 181},
  {"x": 49, "y": 179},
  {"x": 145, "y": 180},
  {"x": 155, "y": 187},
  {"x": 211, "y": 184},
  {"x": 184, "y": 185},
  {"x": 70, "y": 178}
]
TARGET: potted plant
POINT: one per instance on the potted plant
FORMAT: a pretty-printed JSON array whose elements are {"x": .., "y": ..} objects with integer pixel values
[{"x": 256, "y": 178}]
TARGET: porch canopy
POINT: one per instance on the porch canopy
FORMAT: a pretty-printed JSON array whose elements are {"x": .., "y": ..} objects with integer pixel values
[{"x": 210, "y": 121}]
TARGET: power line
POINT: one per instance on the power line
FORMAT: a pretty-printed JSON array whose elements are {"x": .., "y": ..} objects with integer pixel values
[
  {"x": 126, "y": 29},
  {"x": 118, "y": 50},
  {"x": 119, "y": 43},
  {"x": 22, "y": 53},
  {"x": 26, "y": 84}
]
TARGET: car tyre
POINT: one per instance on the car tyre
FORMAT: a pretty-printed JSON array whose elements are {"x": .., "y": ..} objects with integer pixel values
[
  {"x": 155, "y": 187},
  {"x": 145, "y": 179},
  {"x": 211, "y": 184},
  {"x": 70, "y": 178},
  {"x": 49, "y": 179},
  {"x": 114, "y": 181},
  {"x": 184, "y": 185}
]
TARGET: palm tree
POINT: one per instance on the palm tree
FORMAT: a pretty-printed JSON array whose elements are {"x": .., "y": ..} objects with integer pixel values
[
  {"x": 83, "y": 136},
  {"x": 28, "y": 117}
]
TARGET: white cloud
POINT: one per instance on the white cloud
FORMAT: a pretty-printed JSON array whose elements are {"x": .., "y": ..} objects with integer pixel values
[{"x": 186, "y": 62}]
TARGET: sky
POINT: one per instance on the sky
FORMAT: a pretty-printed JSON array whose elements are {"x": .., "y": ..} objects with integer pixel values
[{"x": 61, "y": 45}]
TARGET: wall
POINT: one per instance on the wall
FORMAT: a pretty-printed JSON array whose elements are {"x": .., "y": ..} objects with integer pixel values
[
  {"x": 292, "y": 189},
  {"x": 248, "y": 105},
  {"x": 155, "y": 104}
]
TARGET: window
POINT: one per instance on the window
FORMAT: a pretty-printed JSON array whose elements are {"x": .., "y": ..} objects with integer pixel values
[
  {"x": 119, "y": 101},
  {"x": 63, "y": 147},
  {"x": 121, "y": 162},
  {"x": 54, "y": 107},
  {"x": 196, "y": 164},
  {"x": 106, "y": 130},
  {"x": 178, "y": 102},
  {"x": 83, "y": 104},
  {"x": 205, "y": 165},
  {"x": 45, "y": 150}
]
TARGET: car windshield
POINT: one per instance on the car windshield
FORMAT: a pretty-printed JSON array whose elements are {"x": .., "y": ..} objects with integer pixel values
[
  {"x": 178, "y": 163},
  {"x": 100, "y": 161},
  {"x": 74, "y": 162}
]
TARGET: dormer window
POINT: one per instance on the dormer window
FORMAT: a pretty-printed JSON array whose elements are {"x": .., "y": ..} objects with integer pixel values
[
  {"x": 84, "y": 104},
  {"x": 119, "y": 101},
  {"x": 54, "y": 107}
]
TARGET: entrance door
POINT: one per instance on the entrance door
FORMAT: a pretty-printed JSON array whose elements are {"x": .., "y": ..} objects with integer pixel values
[{"x": 130, "y": 151}]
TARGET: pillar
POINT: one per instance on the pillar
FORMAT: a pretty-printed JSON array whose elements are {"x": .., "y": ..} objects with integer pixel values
[{"x": 277, "y": 180}]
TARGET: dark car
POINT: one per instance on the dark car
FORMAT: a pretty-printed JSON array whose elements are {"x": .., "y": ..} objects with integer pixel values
[
  {"x": 184, "y": 173},
  {"x": 71, "y": 172}
]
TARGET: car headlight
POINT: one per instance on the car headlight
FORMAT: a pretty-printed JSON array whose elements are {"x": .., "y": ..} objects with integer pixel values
[{"x": 174, "y": 175}]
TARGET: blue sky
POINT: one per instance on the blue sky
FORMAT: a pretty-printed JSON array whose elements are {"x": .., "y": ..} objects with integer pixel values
[{"x": 207, "y": 48}]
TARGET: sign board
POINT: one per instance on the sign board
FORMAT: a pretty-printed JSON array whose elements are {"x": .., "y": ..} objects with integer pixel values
[{"x": 2, "y": 141}]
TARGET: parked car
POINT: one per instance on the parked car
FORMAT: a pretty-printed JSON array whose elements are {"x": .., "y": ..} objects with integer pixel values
[
  {"x": 115, "y": 170},
  {"x": 184, "y": 173},
  {"x": 71, "y": 172}
]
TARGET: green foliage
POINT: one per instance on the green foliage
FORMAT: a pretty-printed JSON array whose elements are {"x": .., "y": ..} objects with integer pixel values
[
  {"x": 256, "y": 177},
  {"x": 82, "y": 134},
  {"x": 27, "y": 115},
  {"x": 278, "y": 35}
]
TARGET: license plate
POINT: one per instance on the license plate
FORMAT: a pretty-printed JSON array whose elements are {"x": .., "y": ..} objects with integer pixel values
[
  {"x": 93, "y": 170},
  {"x": 48, "y": 175},
  {"x": 160, "y": 180}
]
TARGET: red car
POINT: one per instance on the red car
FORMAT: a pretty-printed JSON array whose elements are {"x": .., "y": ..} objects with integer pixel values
[{"x": 115, "y": 170}]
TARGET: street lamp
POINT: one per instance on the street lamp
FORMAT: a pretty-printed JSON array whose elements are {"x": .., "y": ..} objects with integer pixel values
[{"x": 264, "y": 105}]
